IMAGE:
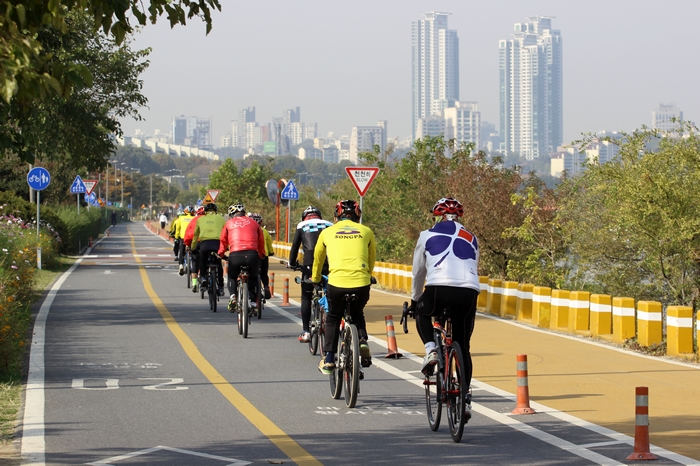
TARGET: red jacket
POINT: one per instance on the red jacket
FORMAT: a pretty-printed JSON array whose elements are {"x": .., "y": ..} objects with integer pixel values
[
  {"x": 189, "y": 232},
  {"x": 242, "y": 234}
]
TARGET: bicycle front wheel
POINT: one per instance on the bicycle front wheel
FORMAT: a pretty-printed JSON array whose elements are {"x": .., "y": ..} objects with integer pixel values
[
  {"x": 351, "y": 375},
  {"x": 188, "y": 268},
  {"x": 245, "y": 309},
  {"x": 259, "y": 299},
  {"x": 433, "y": 398},
  {"x": 336, "y": 378},
  {"x": 456, "y": 391}
]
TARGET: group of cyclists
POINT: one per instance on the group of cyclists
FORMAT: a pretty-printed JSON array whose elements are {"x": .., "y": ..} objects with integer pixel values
[
  {"x": 445, "y": 269},
  {"x": 203, "y": 232}
]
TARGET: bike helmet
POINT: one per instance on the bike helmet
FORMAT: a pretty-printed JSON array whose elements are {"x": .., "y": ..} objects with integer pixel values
[
  {"x": 448, "y": 207},
  {"x": 187, "y": 210},
  {"x": 200, "y": 210},
  {"x": 180, "y": 212},
  {"x": 310, "y": 212},
  {"x": 348, "y": 209},
  {"x": 257, "y": 218},
  {"x": 210, "y": 207},
  {"x": 236, "y": 209}
]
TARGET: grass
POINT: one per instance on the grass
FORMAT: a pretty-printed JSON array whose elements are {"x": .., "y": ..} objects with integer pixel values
[{"x": 11, "y": 389}]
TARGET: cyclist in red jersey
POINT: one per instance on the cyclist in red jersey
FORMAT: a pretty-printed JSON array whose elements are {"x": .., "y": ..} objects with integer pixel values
[
  {"x": 243, "y": 240},
  {"x": 189, "y": 234}
]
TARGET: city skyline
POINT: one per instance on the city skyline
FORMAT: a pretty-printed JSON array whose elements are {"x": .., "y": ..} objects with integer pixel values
[{"x": 619, "y": 68}]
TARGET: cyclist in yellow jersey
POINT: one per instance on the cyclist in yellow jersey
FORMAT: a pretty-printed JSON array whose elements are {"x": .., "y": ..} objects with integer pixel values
[
  {"x": 180, "y": 228},
  {"x": 350, "y": 248},
  {"x": 265, "y": 261},
  {"x": 173, "y": 234},
  {"x": 206, "y": 237}
]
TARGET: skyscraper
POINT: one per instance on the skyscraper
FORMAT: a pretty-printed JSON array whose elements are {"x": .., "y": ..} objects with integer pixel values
[
  {"x": 435, "y": 52},
  {"x": 531, "y": 109}
]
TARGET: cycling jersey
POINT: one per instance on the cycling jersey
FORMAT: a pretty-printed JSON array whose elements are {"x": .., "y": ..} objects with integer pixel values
[
  {"x": 189, "y": 231},
  {"x": 269, "y": 250},
  {"x": 445, "y": 255},
  {"x": 181, "y": 225},
  {"x": 242, "y": 233},
  {"x": 306, "y": 237},
  {"x": 351, "y": 250},
  {"x": 208, "y": 227}
]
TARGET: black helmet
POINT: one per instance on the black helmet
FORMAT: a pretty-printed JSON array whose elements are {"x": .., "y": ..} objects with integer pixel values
[
  {"x": 312, "y": 212},
  {"x": 348, "y": 209},
  {"x": 210, "y": 207}
]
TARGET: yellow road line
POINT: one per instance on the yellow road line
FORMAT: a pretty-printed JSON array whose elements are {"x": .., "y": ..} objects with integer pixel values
[{"x": 268, "y": 428}]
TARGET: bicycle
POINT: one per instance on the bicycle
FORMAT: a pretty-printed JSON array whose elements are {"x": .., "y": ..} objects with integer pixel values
[
  {"x": 447, "y": 383},
  {"x": 243, "y": 306},
  {"x": 209, "y": 279},
  {"x": 317, "y": 323},
  {"x": 348, "y": 371},
  {"x": 259, "y": 299},
  {"x": 188, "y": 267}
]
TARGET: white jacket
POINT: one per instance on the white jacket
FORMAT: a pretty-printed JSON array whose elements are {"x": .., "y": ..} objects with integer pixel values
[{"x": 445, "y": 255}]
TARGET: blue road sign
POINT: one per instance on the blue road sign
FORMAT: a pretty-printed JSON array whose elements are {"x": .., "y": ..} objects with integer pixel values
[
  {"x": 78, "y": 186},
  {"x": 290, "y": 191},
  {"x": 38, "y": 178}
]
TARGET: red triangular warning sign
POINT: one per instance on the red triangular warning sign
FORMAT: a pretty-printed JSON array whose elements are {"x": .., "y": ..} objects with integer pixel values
[{"x": 362, "y": 177}]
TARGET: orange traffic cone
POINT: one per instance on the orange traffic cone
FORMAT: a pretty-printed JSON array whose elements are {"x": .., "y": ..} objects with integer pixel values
[
  {"x": 393, "y": 351},
  {"x": 285, "y": 293},
  {"x": 272, "y": 283},
  {"x": 523, "y": 401},
  {"x": 641, "y": 429}
]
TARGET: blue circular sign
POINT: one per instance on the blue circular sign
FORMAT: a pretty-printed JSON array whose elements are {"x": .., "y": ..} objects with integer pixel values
[{"x": 38, "y": 178}]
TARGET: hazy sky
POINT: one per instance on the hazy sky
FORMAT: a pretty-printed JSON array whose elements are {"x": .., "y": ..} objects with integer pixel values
[{"x": 347, "y": 63}]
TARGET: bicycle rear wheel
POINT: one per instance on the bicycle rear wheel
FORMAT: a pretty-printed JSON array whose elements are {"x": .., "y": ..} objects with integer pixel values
[
  {"x": 456, "y": 391},
  {"x": 433, "y": 398},
  {"x": 245, "y": 309},
  {"x": 322, "y": 331},
  {"x": 315, "y": 319},
  {"x": 203, "y": 279},
  {"x": 239, "y": 314},
  {"x": 336, "y": 378},
  {"x": 188, "y": 269},
  {"x": 213, "y": 292},
  {"x": 259, "y": 299},
  {"x": 351, "y": 374}
]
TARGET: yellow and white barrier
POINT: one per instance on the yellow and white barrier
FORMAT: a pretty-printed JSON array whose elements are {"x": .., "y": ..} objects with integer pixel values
[
  {"x": 509, "y": 299},
  {"x": 623, "y": 319},
  {"x": 679, "y": 330},
  {"x": 483, "y": 295},
  {"x": 541, "y": 306},
  {"x": 523, "y": 304},
  {"x": 601, "y": 315},
  {"x": 579, "y": 312},
  {"x": 560, "y": 309},
  {"x": 493, "y": 300},
  {"x": 649, "y": 325}
]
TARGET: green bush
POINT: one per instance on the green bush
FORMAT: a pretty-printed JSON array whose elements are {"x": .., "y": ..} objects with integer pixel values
[{"x": 80, "y": 228}]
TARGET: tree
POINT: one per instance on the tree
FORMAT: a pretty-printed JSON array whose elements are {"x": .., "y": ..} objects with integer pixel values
[
  {"x": 28, "y": 73},
  {"x": 78, "y": 130}
]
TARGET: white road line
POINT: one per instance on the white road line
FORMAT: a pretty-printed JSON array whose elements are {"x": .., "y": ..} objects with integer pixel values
[
  {"x": 579, "y": 450},
  {"x": 33, "y": 449}
]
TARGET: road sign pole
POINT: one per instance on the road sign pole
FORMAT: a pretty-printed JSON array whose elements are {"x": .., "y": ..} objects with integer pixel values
[
  {"x": 362, "y": 211},
  {"x": 38, "y": 236},
  {"x": 287, "y": 219}
]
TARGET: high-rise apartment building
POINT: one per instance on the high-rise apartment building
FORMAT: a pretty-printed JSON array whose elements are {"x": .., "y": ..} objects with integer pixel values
[
  {"x": 364, "y": 138},
  {"x": 192, "y": 131},
  {"x": 662, "y": 116},
  {"x": 531, "y": 109},
  {"x": 463, "y": 123},
  {"x": 435, "y": 51}
]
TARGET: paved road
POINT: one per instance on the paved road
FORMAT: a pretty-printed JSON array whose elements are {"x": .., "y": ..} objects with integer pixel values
[{"x": 137, "y": 370}]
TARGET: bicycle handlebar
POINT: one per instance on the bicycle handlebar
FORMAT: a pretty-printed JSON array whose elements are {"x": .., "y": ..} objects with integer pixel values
[{"x": 404, "y": 316}]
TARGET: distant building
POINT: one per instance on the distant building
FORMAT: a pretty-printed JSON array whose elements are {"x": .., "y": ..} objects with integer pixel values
[
  {"x": 192, "y": 131},
  {"x": 310, "y": 154},
  {"x": 531, "y": 83},
  {"x": 330, "y": 154},
  {"x": 463, "y": 123},
  {"x": 364, "y": 138},
  {"x": 435, "y": 51},
  {"x": 662, "y": 115},
  {"x": 433, "y": 125}
]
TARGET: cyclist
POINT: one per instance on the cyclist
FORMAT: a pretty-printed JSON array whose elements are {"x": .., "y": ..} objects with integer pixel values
[
  {"x": 173, "y": 234},
  {"x": 308, "y": 230},
  {"x": 351, "y": 250},
  {"x": 265, "y": 261},
  {"x": 194, "y": 253},
  {"x": 243, "y": 240},
  {"x": 206, "y": 236},
  {"x": 446, "y": 259},
  {"x": 182, "y": 223}
]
